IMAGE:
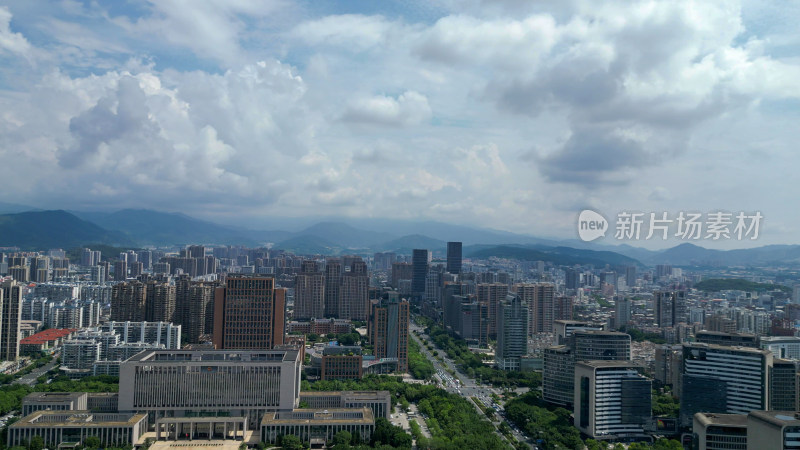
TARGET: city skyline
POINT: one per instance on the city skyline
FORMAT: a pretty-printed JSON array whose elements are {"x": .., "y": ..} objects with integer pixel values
[{"x": 502, "y": 115}]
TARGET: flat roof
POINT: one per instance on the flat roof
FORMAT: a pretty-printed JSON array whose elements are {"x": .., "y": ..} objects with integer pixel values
[
  {"x": 52, "y": 396},
  {"x": 599, "y": 364},
  {"x": 170, "y": 356},
  {"x": 320, "y": 416},
  {"x": 361, "y": 394},
  {"x": 778, "y": 418},
  {"x": 729, "y": 420},
  {"x": 77, "y": 418},
  {"x": 738, "y": 348}
]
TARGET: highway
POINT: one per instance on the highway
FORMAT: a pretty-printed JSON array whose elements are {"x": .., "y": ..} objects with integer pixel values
[
  {"x": 461, "y": 384},
  {"x": 30, "y": 379}
]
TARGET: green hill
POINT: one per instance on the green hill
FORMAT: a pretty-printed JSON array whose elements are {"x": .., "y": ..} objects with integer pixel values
[
  {"x": 41, "y": 230},
  {"x": 737, "y": 284},
  {"x": 565, "y": 256}
]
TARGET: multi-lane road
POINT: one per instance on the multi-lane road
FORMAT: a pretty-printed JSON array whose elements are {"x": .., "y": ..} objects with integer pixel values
[{"x": 461, "y": 384}]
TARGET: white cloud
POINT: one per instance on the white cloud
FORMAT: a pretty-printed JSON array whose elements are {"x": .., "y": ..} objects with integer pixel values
[
  {"x": 409, "y": 108},
  {"x": 10, "y": 41}
]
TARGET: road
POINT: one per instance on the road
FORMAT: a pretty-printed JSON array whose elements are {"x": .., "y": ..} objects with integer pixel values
[
  {"x": 30, "y": 379},
  {"x": 461, "y": 384}
]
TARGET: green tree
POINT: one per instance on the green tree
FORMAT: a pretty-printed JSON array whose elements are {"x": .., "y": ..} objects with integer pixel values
[
  {"x": 341, "y": 440},
  {"x": 292, "y": 442},
  {"x": 37, "y": 443},
  {"x": 92, "y": 442}
]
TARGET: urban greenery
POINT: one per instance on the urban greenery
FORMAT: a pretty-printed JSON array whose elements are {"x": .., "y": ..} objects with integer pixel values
[
  {"x": 550, "y": 426},
  {"x": 419, "y": 366},
  {"x": 737, "y": 284}
]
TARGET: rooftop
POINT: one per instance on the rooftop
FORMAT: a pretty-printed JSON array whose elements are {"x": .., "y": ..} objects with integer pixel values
[
  {"x": 48, "y": 335},
  {"x": 729, "y": 420},
  {"x": 173, "y": 356},
  {"x": 778, "y": 418},
  {"x": 50, "y": 419},
  {"x": 320, "y": 416}
]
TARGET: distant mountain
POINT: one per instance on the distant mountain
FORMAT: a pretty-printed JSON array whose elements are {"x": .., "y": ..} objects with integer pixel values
[
  {"x": 13, "y": 208},
  {"x": 309, "y": 245},
  {"x": 148, "y": 227},
  {"x": 688, "y": 254},
  {"x": 725, "y": 284},
  {"x": 345, "y": 235},
  {"x": 42, "y": 230},
  {"x": 558, "y": 255},
  {"x": 408, "y": 243}
]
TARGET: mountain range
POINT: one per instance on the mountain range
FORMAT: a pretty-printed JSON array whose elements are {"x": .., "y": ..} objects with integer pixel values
[{"x": 37, "y": 229}]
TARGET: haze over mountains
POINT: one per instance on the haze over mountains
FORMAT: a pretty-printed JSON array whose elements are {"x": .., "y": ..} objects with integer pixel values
[{"x": 142, "y": 228}]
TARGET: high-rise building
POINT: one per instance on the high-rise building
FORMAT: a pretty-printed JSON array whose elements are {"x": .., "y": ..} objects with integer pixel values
[
  {"x": 630, "y": 276},
  {"x": 194, "y": 308},
  {"x": 669, "y": 307},
  {"x": 11, "y": 303},
  {"x": 663, "y": 270},
  {"x": 420, "y": 258},
  {"x": 717, "y": 379},
  {"x": 388, "y": 329},
  {"x": 159, "y": 302},
  {"x": 333, "y": 285},
  {"x": 249, "y": 313},
  {"x": 558, "y": 374},
  {"x": 401, "y": 271},
  {"x": 783, "y": 379},
  {"x": 512, "y": 332},
  {"x": 121, "y": 270},
  {"x": 128, "y": 300},
  {"x": 354, "y": 293},
  {"x": 491, "y": 294},
  {"x": 309, "y": 292},
  {"x": 622, "y": 311},
  {"x": 454, "y": 257},
  {"x": 541, "y": 305},
  {"x": 611, "y": 398},
  {"x": 89, "y": 257},
  {"x": 572, "y": 279}
]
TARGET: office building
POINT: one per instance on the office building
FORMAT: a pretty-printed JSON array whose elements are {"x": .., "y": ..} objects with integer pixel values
[
  {"x": 58, "y": 428},
  {"x": 783, "y": 347},
  {"x": 602, "y": 345},
  {"x": 388, "y": 329},
  {"x": 572, "y": 279},
  {"x": 612, "y": 399},
  {"x": 249, "y": 313},
  {"x": 712, "y": 431},
  {"x": 454, "y": 257},
  {"x": 241, "y": 383},
  {"x": 317, "y": 424},
  {"x": 420, "y": 259},
  {"x": 11, "y": 304},
  {"x": 341, "y": 362},
  {"x": 669, "y": 307},
  {"x": 773, "y": 430},
  {"x": 630, "y": 276},
  {"x": 718, "y": 379},
  {"x": 401, "y": 271},
  {"x": 309, "y": 292},
  {"x": 783, "y": 392},
  {"x": 379, "y": 402},
  {"x": 727, "y": 339},
  {"x": 564, "y": 329},
  {"x": 512, "y": 332},
  {"x": 622, "y": 311}
]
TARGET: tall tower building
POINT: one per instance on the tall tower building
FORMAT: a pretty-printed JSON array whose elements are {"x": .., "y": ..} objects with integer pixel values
[
  {"x": 420, "y": 259},
  {"x": 512, "y": 332},
  {"x": 194, "y": 308},
  {"x": 121, "y": 270},
  {"x": 160, "y": 302},
  {"x": 249, "y": 313},
  {"x": 669, "y": 307},
  {"x": 540, "y": 298},
  {"x": 630, "y": 276},
  {"x": 128, "y": 301},
  {"x": 728, "y": 380},
  {"x": 622, "y": 311},
  {"x": 490, "y": 295},
  {"x": 354, "y": 293},
  {"x": 309, "y": 292},
  {"x": 401, "y": 271},
  {"x": 389, "y": 329},
  {"x": 333, "y": 284},
  {"x": 11, "y": 302},
  {"x": 454, "y": 257}
]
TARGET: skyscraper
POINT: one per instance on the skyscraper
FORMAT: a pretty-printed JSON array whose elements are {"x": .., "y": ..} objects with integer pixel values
[
  {"x": 159, "y": 302},
  {"x": 669, "y": 307},
  {"x": 540, "y": 298},
  {"x": 309, "y": 292},
  {"x": 333, "y": 284},
  {"x": 512, "y": 332},
  {"x": 11, "y": 303},
  {"x": 622, "y": 311},
  {"x": 249, "y": 313},
  {"x": 354, "y": 293},
  {"x": 630, "y": 276},
  {"x": 389, "y": 329},
  {"x": 194, "y": 308},
  {"x": 454, "y": 257},
  {"x": 121, "y": 270},
  {"x": 490, "y": 295},
  {"x": 420, "y": 259},
  {"x": 572, "y": 279},
  {"x": 128, "y": 301}
]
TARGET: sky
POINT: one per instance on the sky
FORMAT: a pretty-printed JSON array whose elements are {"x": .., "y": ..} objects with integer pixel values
[{"x": 507, "y": 114}]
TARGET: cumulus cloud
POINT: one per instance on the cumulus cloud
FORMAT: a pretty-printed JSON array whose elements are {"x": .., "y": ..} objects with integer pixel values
[
  {"x": 10, "y": 41},
  {"x": 409, "y": 108}
]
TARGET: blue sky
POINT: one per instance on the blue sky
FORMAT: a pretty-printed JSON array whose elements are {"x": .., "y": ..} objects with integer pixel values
[{"x": 508, "y": 114}]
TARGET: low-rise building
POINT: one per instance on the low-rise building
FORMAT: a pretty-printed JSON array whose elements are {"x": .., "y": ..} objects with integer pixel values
[
  {"x": 379, "y": 402},
  {"x": 72, "y": 427},
  {"x": 773, "y": 430},
  {"x": 317, "y": 424},
  {"x": 719, "y": 431}
]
